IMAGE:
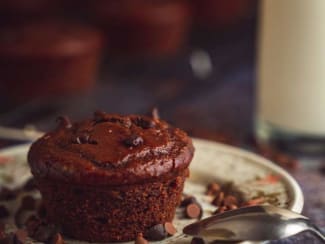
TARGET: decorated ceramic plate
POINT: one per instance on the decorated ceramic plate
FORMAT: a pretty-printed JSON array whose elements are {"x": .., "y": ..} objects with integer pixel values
[{"x": 253, "y": 178}]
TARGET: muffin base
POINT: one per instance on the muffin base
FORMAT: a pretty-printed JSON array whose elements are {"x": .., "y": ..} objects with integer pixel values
[{"x": 118, "y": 213}]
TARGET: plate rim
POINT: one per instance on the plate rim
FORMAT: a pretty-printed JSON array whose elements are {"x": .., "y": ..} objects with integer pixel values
[{"x": 295, "y": 190}]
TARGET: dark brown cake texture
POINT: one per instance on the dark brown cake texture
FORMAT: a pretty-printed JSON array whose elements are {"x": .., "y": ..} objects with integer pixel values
[{"x": 111, "y": 177}]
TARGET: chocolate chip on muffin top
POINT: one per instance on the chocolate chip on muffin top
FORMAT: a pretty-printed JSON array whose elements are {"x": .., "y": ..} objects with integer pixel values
[{"x": 111, "y": 150}]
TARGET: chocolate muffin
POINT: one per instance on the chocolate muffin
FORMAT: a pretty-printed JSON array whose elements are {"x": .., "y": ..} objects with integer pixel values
[
  {"x": 111, "y": 177},
  {"x": 142, "y": 28},
  {"x": 51, "y": 58}
]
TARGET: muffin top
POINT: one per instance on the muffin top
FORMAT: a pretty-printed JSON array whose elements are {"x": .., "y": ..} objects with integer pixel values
[
  {"x": 48, "y": 38},
  {"x": 150, "y": 12},
  {"x": 111, "y": 150}
]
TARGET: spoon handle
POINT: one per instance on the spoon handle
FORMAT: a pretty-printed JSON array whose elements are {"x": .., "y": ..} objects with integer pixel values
[{"x": 318, "y": 232}]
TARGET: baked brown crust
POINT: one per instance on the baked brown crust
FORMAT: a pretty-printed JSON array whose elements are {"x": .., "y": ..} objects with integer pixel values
[{"x": 111, "y": 150}]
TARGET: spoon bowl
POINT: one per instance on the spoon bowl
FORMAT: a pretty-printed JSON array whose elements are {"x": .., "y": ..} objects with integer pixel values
[{"x": 257, "y": 223}]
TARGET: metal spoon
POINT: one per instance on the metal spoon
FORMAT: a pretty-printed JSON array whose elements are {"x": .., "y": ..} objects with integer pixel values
[{"x": 257, "y": 223}]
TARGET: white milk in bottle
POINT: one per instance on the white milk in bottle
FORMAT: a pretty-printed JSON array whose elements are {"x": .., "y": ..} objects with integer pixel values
[{"x": 291, "y": 74}]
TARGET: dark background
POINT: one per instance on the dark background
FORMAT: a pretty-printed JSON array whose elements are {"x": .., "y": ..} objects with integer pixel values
[{"x": 213, "y": 100}]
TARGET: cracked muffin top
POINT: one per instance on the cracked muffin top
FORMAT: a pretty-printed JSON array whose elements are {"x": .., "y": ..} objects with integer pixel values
[{"x": 111, "y": 150}]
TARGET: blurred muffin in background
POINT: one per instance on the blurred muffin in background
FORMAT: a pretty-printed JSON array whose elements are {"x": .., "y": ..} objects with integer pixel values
[
  {"x": 221, "y": 14},
  {"x": 47, "y": 59},
  {"x": 13, "y": 11},
  {"x": 149, "y": 28}
]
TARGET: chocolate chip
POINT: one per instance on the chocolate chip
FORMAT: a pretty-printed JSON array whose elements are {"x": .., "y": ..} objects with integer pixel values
[
  {"x": 218, "y": 200},
  {"x": 77, "y": 140},
  {"x": 100, "y": 116},
  {"x": 64, "y": 122},
  {"x": 193, "y": 211},
  {"x": 144, "y": 123},
  {"x": 28, "y": 203},
  {"x": 170, "y": 228},
  {"x": 156, "y": 233},
  {"x": 230, "y": 200},
  {"x": 80, "y": 140},
  {"x": 213, "y": 189},
  {"x": 20, "y": 236},
  {"x": 140, "y": 239},
  {"x": 133, "y": 141},
  {"x": 4, "y": 212},
  {"x": 126, "y": 122},
  {"x": 30, "y": 185},
  {"x": 197, "y": 240},
  {"x": 84, "y": 139},
  {"x": 58, "y": 239},
  {"x": 188, "y": 200},
  {"x": 155, "y": 113},
  {"x": 6, "y": 194},
  {"x": 92, "y": 141}
]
